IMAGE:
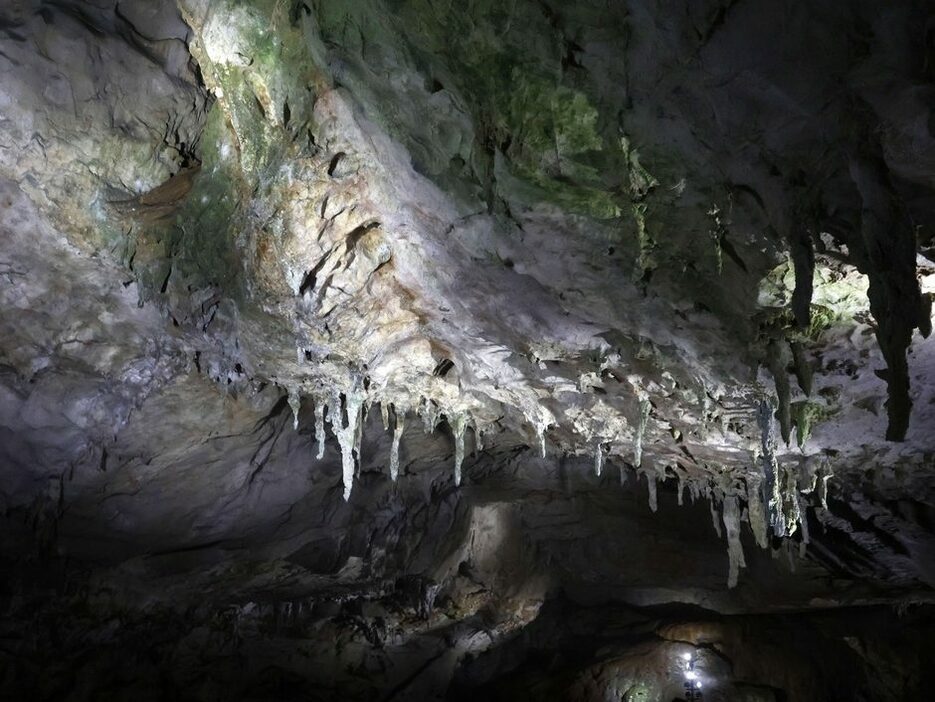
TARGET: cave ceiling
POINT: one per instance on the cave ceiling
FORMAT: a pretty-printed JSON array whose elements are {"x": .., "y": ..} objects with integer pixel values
[{"x": 324, "y": 300}]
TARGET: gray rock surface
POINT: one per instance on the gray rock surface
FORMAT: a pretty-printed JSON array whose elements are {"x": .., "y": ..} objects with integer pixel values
[{"x": 643, "y": 290}]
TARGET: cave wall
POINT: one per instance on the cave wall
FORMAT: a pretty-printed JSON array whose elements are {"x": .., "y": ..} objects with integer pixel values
[{"x": 374, "y": 349}]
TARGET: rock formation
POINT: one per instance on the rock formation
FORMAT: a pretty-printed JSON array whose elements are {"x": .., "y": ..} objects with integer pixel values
[{"x": 506, "y": 349}]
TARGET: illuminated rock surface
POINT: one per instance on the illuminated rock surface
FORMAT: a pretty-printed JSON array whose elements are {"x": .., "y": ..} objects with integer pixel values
[{"x": 416, "y": 349}]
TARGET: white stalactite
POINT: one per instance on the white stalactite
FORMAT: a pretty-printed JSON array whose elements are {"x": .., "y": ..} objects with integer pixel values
[
  {"x": 295, "y": 403},
  {"x": 694, "y": 490},
  {"x": 540, "y": 434},
  {"x": 789, "y": 501},
  {"x": 430, "y": 415},
  {"x": 458, "y": 424},
  {"x": 359, "y": 435},
  {"x": 823, "y": 490},
  {"x": 734, "y": 547},
  {"x": 770, "y": 468},
  {"x": 640, "y": 432},
  {"x": 756, "y": 512},
  {"x": 715, "y": 517},
  {"x": 598, "y": 460},
  {"x": 803, "y": 522},
  {"x": 394, "y": 450},
  {"x": 651, "y": 486},
  {"x": 347, "y": 436},
  {"x": 320, "y": 406}
]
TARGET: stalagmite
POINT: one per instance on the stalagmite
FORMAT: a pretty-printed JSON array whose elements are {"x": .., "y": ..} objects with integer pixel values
[
  {"x": 734, "y": 547},
  {"x": 394, "y": 450},
  {"x": 458, "y": 424}
]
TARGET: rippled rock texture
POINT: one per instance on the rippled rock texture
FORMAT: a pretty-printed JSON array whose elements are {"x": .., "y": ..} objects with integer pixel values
[{"x": 417, "y": 349}]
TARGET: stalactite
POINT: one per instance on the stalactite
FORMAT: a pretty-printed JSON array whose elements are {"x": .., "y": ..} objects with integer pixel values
[
  {"x": 885, "y": 250},
  {"x": 777, "y": 519},
  {"x": 640, "y": 432},
  {"x": 478, "y": 439},
  {"x": 320, "y": 406},
  {"x": 803, "y": 262},
  {"x": 458, "y": 424},
  {"x": 430, "y": 415},
  {"x": 694, "y": 490},
  {"x": 802, "y": 367},
  {"x": 540, "y": 434},
  {"x": 347, "y": 435},
  {"x": 651, "y": 487},
  {"x": 770, "y": 485},
  {"x": 791, "y": 515},
  {"x": 823, "y": 490},
  {"x": 755, "y": 511},
  {"x": 397, "y": 435},
  {"x": 359, "y": 434},
  {"x": 295, "y": 403},
  {"x": 715, "y": 517},
  {"x": 598, "y": 460},
  {"x": 777, "y": 362},
  {"x": 803, "y": 522},
  {"x": 734, "y": 547}
]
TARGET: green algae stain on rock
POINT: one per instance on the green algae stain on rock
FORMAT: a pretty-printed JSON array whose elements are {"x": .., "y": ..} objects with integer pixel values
[
  {"x": 839, "y": 297},
  {"x": 189, "y": 225},
  {"x": 258, "y": 64},
  {"x": 552, "y": 133},
  {"x": 556, "y": 146},
  {"x": 805, "y": 415},
  {"x": 207, "y": 225},
  {"x": 550, "y": 123}
]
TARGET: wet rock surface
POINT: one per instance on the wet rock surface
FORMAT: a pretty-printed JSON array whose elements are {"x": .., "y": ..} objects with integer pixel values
[{"x": 403, "y": 349}]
